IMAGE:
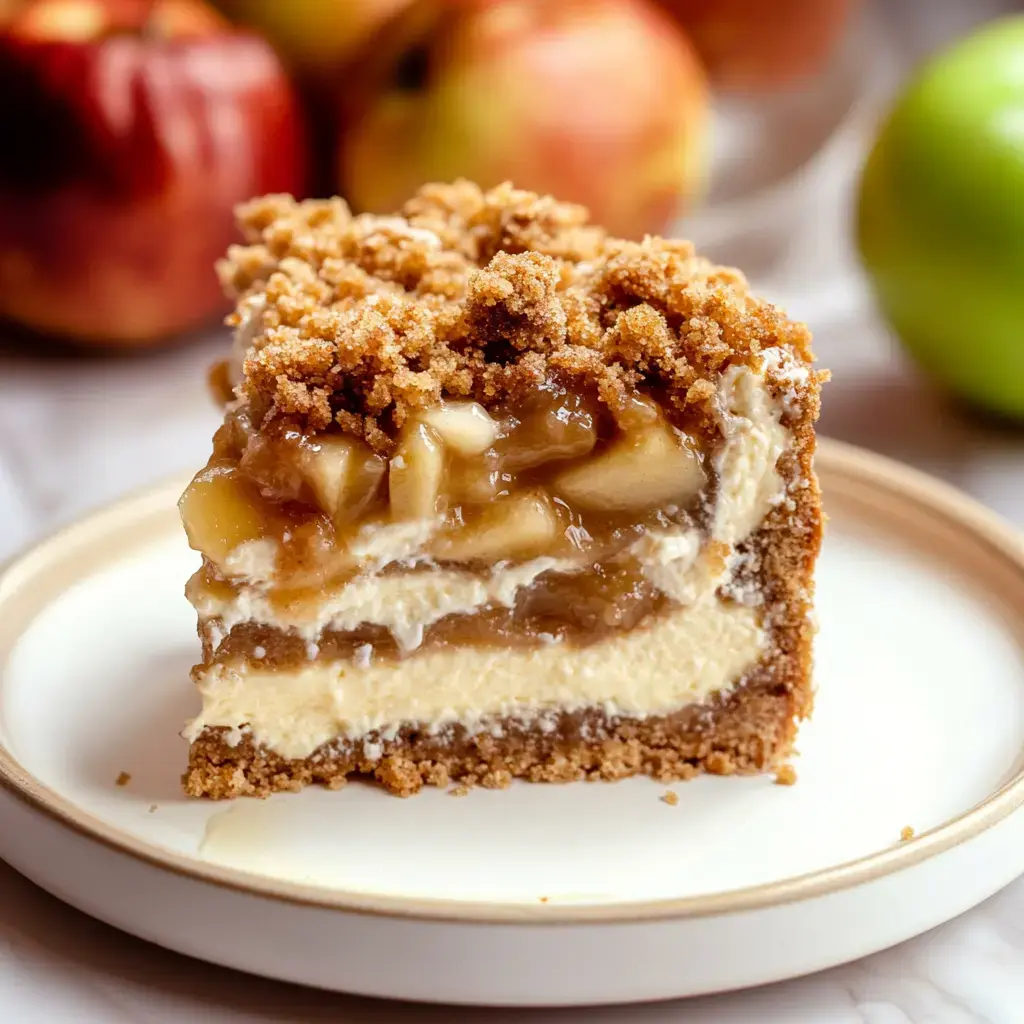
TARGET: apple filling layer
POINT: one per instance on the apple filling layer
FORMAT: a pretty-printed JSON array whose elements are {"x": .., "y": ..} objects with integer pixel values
[{"x": 548, "y": 486}]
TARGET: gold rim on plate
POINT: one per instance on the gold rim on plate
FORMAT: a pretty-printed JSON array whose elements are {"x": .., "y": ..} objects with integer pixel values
[{"x": 931, "y": 515}]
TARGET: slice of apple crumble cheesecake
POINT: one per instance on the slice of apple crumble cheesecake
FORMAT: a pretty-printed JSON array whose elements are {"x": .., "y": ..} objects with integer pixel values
[{"x": 498, "y": 496}]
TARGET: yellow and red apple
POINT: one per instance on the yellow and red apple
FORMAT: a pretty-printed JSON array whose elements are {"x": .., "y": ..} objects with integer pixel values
[
  {"x": 131, "y": 129},
  {"x": 8, "y": 8},
  {"x": 317, "y": 38},
  {"x": 601, "y": 102},
  {"x": 754, "y": 45}
]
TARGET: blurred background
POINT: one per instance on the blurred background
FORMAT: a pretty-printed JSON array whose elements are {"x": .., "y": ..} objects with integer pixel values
[{"x": 862, "y": 162}]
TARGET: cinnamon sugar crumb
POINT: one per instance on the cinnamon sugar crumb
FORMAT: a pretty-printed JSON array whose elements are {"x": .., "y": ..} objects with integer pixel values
[
  {"x": 785, "y": 776},
  {"x": 906, "y": 834},
  {"x": 123, "y": 779},
  {"x": 670, "y": 797},
  {"x": 459, "y": 791},
  {"x": 478, "y": 294}
]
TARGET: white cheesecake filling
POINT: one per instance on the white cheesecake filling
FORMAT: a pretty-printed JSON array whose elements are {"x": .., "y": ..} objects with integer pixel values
[
  {"x": 703, "y": 647},
  {"x": 405, "y": 604},
  {"x": 652, "y": 670},
  {"x": 749, "y": 418}
]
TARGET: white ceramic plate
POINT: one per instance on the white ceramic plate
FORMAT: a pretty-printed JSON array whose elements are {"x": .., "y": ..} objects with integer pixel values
[{"x": 538, "y": 894}]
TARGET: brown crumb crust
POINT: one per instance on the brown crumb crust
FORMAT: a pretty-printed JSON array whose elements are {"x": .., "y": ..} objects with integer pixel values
[
  {"x": 751, "y": 731},
  {"x": 482, "y": 294}
]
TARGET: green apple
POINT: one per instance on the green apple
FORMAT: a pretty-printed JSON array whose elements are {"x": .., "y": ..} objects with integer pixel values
[{"x": 940, "y": 219}]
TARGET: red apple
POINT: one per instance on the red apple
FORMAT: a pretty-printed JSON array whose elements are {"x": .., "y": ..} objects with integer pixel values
[
  {"x": 761, "y": 44},
  {"x": 601, "y": 102},
  {"x": 131, "y": 129}
]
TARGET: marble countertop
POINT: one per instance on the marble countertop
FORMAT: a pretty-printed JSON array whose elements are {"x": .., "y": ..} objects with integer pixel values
[{"x": 76, "y": 432}]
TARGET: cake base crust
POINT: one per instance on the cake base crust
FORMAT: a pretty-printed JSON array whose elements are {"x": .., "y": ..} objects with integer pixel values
[{"x": 751, "y": 731}]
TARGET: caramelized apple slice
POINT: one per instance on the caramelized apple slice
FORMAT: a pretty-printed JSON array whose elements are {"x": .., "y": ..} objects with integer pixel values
[
  {"x": 515, "y": 527},
  {"x": 465, "y": 427},
  {"x": 219, "y": 514},
  {"x": 343, "y": 474},
  {"x": 554, "y": 427},
  {"x": 416, "y": 474},
  {"x": 648, "y": 469}
]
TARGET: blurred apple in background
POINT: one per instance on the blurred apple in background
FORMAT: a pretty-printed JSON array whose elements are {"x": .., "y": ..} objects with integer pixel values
[
  {"x": 753, "y": 45},
  {"x": 601, "y": 102},
  {"x": 317, "y": 38},
  {"x": 130, "y": 129},
  {"x": 8, "y": 8},
  {"x": 941, "y": 217}
]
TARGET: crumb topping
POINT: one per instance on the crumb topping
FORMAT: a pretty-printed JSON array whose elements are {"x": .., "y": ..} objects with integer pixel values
[{"x": 365, "y": 319}]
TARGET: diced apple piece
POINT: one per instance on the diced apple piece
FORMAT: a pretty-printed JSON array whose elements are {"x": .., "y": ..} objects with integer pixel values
[
  {"x": 637, "y": 412},
  {"x": 416, "y": 474},
  {"x": 218, "y": 513},
  {"x": 274, "y": 464},
  {"x": 645, "y": 470},
  {"x": 476, "y": 480},
  {"x": 552, "y": 429},
  {"x": 465, "y": 427},
  {"x": 310, "y": 558},
  {"x": 233, "y": 434},
  {"x": 515, "y": 527},
  {"x": 343, "y": 474}
]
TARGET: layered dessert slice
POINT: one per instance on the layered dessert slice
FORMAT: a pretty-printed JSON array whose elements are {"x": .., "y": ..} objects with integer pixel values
[{"x": 498, "y": 496}]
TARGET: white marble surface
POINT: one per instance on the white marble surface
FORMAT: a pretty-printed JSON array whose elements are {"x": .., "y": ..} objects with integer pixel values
[{"x": 76, "y": 432}]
